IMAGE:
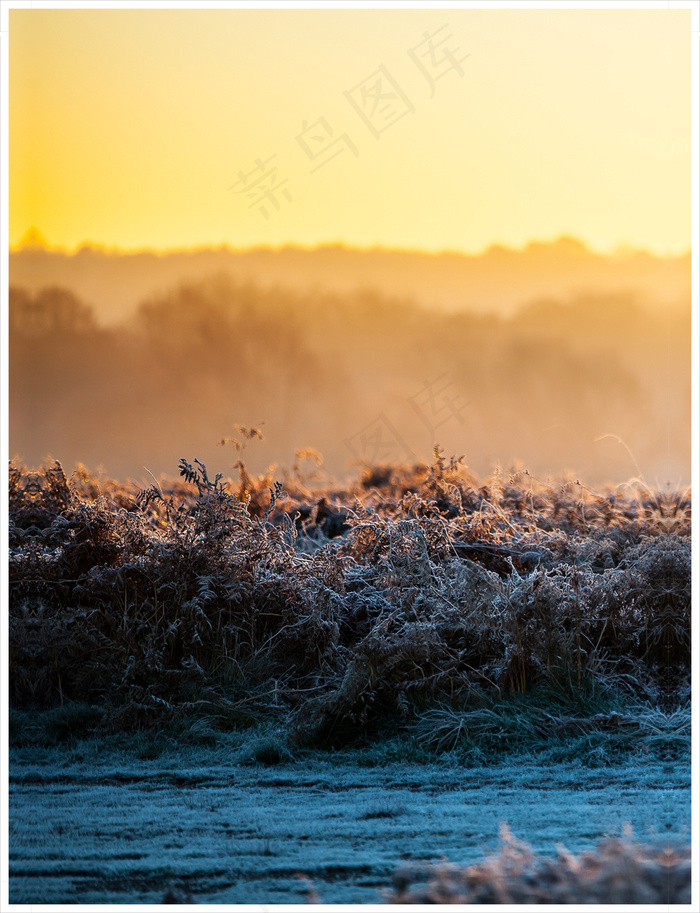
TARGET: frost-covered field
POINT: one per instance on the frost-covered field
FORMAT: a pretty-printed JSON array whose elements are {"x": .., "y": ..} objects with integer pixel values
[
  {"x": 218, "y": 687},
  {"x": 118, "y": 830}
]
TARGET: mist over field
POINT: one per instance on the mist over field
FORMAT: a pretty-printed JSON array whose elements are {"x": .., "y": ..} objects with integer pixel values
[
  {"x": 498, "y": 281},
  {"x": 553, "y": 357}
]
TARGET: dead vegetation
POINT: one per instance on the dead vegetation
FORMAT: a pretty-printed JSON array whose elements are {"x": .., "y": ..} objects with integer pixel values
[
  {"x": 422, "y": 597},
  {"x": 616, "y": 872}
]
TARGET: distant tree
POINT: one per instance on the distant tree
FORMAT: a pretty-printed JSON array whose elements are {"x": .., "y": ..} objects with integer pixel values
[{"x": 53, "y": 311}]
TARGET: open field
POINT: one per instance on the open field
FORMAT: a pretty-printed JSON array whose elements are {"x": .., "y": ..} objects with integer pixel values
[
  {"x": 94, "y": 825},
  {"x": 217, "y": 685}
]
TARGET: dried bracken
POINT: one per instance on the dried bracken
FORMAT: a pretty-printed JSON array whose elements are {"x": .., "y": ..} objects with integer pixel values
[
  {"x": 616, "y": 872},
  {"x": 420, "y": 590}
]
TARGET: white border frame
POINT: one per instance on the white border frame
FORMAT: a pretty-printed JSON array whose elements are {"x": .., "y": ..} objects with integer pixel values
[{"x": 5, "y": 7}]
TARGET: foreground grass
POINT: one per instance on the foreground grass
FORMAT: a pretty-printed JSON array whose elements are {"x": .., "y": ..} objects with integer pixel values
[
  {"x": 346, "y": 678},
  {"x": 460, "y": 615},
  {"x": 127, "y": 818},
  {"x": 535, "y": 729},
  {"x": 615, "y": 872}
]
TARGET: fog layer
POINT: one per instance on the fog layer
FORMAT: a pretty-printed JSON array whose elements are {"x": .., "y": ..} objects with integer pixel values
[{"x": 595, "y": 382}]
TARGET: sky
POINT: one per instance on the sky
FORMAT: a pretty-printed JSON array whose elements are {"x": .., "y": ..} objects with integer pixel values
[{"x": 423, "y": 129}]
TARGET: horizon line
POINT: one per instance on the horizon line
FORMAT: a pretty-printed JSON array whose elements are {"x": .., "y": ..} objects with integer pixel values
[{"x": 34, "y": 240}]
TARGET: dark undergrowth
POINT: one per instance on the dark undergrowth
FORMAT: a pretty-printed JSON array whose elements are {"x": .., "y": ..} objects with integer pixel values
[
  {"x": 509, "y": 731},
  {"x": 460, "y": 614}
]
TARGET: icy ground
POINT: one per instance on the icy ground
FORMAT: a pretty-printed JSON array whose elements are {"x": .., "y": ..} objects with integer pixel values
[{"x": 107, "y": 831}]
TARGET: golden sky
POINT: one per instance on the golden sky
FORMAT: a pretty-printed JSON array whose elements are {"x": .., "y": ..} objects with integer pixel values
[{"x": 144, "y": 128}]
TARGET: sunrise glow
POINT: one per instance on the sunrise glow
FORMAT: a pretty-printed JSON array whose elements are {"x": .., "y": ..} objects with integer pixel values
[{"x": 423, "y": 129}]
